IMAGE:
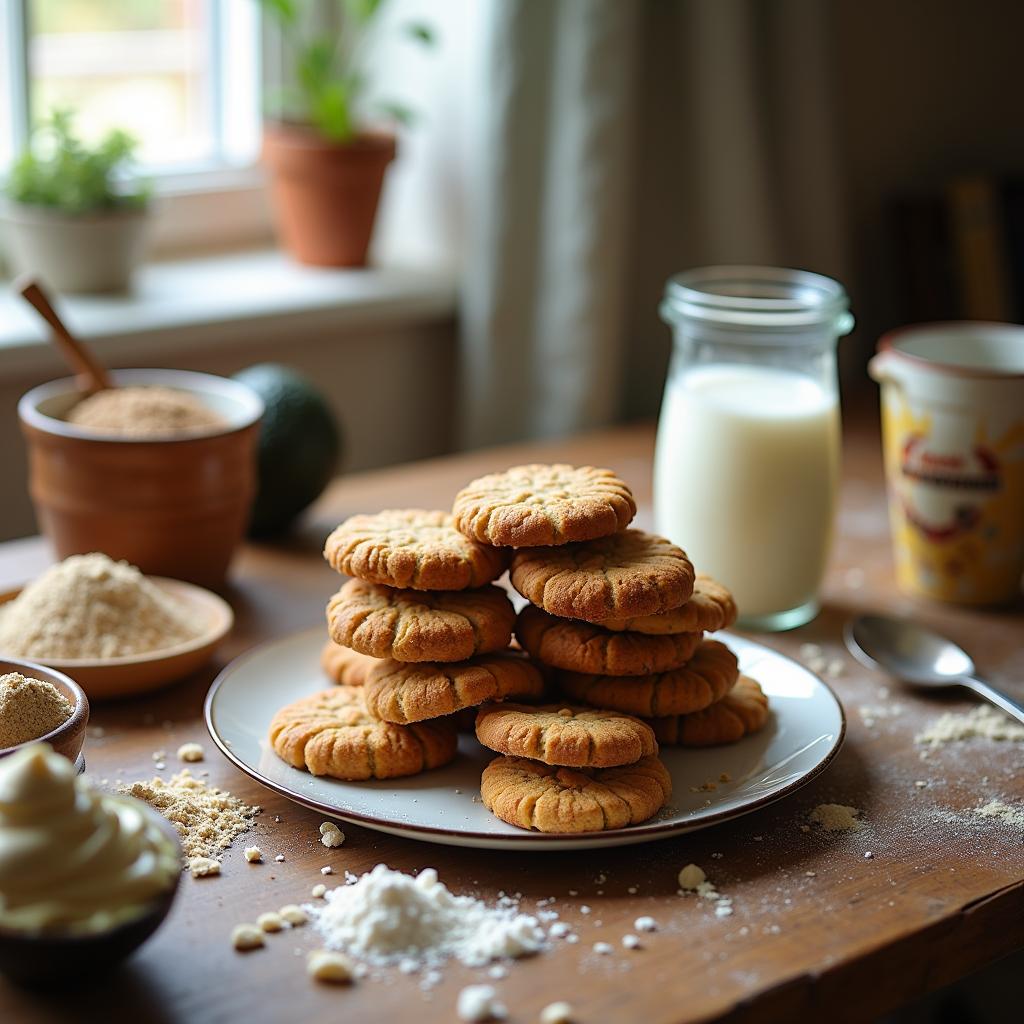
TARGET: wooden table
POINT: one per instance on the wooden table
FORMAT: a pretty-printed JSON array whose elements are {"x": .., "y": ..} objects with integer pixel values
[{"x": 818, "y": 927}]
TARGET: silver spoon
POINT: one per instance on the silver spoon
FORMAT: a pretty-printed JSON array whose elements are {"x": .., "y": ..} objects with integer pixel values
[{"x": 920, "y": 657}]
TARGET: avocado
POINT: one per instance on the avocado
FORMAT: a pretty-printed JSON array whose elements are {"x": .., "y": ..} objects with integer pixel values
[{"x": 299, "y": 445}]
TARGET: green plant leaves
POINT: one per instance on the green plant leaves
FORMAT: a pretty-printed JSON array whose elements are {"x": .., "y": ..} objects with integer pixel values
[{"x": 59, "y": 171}]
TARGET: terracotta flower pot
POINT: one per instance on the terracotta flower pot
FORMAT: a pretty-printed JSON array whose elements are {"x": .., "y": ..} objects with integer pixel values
[
  {"x": 177, "y": 507},
  {"x": 326, "y": 193}
]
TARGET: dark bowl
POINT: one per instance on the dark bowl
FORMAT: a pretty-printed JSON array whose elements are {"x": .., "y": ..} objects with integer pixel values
[
  {"x": 54, "y": 961},
  {"x": 69, "y": 737}
]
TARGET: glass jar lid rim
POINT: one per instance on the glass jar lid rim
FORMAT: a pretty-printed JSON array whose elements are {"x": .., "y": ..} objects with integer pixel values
[{"x": 793, "y": 296}]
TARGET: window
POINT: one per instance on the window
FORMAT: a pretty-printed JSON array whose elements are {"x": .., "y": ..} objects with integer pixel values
[{"x": 182, "y": 76}]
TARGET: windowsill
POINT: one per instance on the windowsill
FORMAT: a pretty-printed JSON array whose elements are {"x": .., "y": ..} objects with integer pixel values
[{"x": 232, "y": 293}]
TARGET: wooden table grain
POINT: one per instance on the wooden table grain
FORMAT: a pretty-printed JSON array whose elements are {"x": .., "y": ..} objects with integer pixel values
[{"x": 846, "y": 925}]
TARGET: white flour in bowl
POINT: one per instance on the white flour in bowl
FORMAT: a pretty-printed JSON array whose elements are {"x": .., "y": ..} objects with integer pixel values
[{"x": 387, "y": 917}]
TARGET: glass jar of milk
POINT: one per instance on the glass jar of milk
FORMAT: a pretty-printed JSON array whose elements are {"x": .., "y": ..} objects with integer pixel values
[{"x": 747, "y": 462}]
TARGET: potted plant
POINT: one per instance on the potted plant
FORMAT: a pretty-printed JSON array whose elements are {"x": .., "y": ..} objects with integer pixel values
[
  {"x": 327, "y": 167},
  {"x": 74, "y": 214}
]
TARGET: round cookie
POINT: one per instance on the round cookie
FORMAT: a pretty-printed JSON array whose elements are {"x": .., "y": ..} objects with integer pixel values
[
  {"x": 402, "y": 693},
  {"x": 330, "y": 733},
  {"x": 584, "y": 647},
  {"x": 413, "y": 548},
  {"x": 419, "y": 625},
  {"x": 343, "y": 665},
  {"x": 743, "y": 710},
  {"x": 547, "y": 798},
  {"x": 538, "y": 504},
  {"x": 560, "y": 734},
  {"x": 628, "y": 574},
  {"x": 709, "y": 675},
  {"x": 710, "y": 607}
]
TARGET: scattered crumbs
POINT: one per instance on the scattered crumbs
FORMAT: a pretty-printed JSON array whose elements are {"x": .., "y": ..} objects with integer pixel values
[
  {"x": 836, "y": 818},
  {"x": 574, "y": 892},
  {"x": 207, "y": 819},
  {"x": 478, "y": 1003},
  {"x": 556, "y": 1013},
  {"x": 190, "y": 752},
  {"x": 270, "y": 922},
  {"x": 645, "y": 924},
  {"x": 497, "y": 972},
  {"x": 559, "y": 930},
  {"x": 601, "y": 879},
  {"x": 330, "y": 835},
  {"x": 631, "y": 890},
  {"x": 920, "y": 784},
  {"x": 584, "y": 909},
  {"x": 160, "y": 766},
  {"x": 203, "y": 867},
  {"x": 253, "y": 854},
  {"x": 630, "y": 941},
  {"x": 293, "y": 914},
  {"x": 982, "y": 722},
  {"x": 725, "y": 777},
  {"x": 329, "y": 966},
  {"x": 277, "y": 819},
  {"x": 245, "y": 937},
  {"x": 872, "y": 713},
  {"x": 834, "y": 668},
  {"x": 868, "y": 855},
  {"x": 328, "y": 870},
  {"x": 279, "y": 858},
  {"x": 810, "y": 874},
  {"x": 572, "y": 938},
  {"x": 603, "y": 948},
  {"x": 318, "y": 891},
  {"x": 1002, "y": 811},
  {"x": 723, "y": 909},
  {"x": 744, "y": 930},
  {"x": 158, "y": 755},
  {"x": 691, "y": 877}
]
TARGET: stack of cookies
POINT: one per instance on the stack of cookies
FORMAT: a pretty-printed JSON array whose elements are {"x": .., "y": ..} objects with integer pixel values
[
  {"x": 418, "y": 634},
  {"x": 617, "y": 614}
]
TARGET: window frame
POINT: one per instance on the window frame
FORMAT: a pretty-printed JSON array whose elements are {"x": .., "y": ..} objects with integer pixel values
[{"x": 216, "y": 204}]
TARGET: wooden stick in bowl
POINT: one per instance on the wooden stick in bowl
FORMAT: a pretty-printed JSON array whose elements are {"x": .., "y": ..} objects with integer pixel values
[{"x": 91, "y": 375}]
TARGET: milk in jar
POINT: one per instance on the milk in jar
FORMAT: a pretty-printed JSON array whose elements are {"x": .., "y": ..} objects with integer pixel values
[{"x": 746, "y": 467}]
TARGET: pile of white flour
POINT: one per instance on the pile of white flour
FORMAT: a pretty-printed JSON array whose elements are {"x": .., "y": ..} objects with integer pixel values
[{"x": 387, "y": 917}]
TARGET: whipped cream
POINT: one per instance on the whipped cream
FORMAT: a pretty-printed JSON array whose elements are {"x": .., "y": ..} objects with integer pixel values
[{"x": 74, "y": 860}]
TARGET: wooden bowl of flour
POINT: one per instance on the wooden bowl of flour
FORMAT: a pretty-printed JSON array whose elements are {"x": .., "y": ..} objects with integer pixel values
[
  {"x": 69, "y": 737},
  {"x": 175, "y": 505},
  {"x": 104, "y": 678}
]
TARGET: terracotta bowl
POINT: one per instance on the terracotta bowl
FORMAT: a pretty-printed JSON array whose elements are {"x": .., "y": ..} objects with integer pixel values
[
  {"x": 69, "y": 738},
  {"x": 56, "y": 961},
  {"x": 104, "y": 678},
  {"x": 174, "y": 507}
]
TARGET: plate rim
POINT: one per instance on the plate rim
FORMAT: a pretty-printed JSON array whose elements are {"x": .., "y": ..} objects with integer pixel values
[{"x": 644, "y": 832}]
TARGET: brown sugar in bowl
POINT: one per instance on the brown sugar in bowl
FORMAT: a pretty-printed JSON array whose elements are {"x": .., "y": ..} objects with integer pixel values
[
  {"x": 175, "y": 506},
  {"x": 69, "y": 737}
]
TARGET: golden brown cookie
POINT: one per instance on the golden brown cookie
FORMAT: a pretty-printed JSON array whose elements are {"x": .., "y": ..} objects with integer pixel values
[
  {"x": 707, "y": 677},
  {"x": 344, "y": 665},
  {"x": 547, "y": 798},
  {"x": 561, "y": 734},
  {"x": 399, "y": 692},
  {"x": 420, "y": 625},
  {"x": 330, "y": 733},
  {"x": 628, "y": 574},
  {"x": 586, "y": 647},
  {"x": 710, "y": 607},
  {"x": 411, "y": 547},
  {"x": 743, "y": 710},
  {"x": 538, "y": 504}
]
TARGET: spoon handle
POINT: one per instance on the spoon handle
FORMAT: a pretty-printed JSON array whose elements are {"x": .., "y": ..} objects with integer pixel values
[
  {"x": 1004, "y": 701},
  {"x": 92, "y": 376}
]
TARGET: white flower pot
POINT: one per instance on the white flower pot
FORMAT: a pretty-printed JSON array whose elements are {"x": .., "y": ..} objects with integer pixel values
[{"x": 87, "y": 252}]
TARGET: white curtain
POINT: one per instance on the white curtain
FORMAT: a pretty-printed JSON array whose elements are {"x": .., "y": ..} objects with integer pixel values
[
  {"x": 615, "y": 142},
  {"x": 545, "y": 277}
]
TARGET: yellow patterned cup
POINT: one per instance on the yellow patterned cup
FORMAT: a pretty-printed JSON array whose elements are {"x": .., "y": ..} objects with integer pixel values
[{"x": 953, "y": 439}]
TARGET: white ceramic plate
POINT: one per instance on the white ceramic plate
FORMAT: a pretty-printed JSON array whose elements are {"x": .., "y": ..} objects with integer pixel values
[{"x": 803, "y": 736}]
